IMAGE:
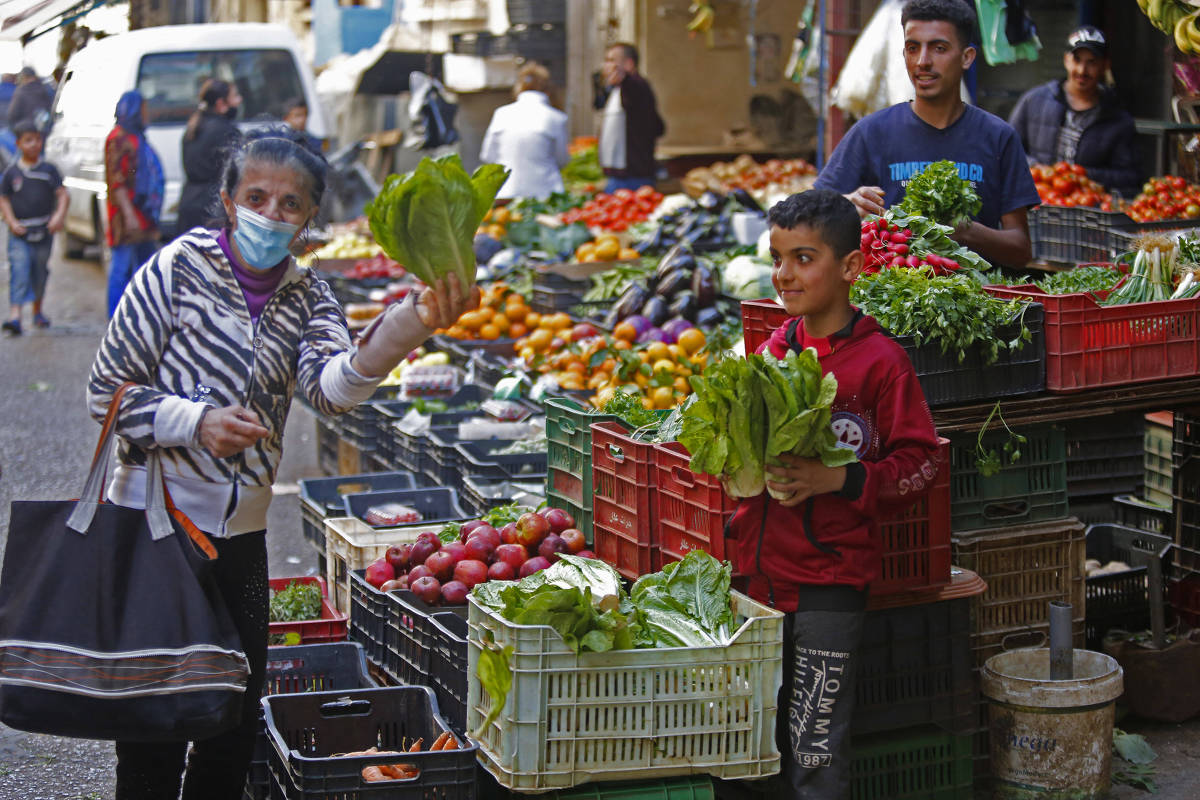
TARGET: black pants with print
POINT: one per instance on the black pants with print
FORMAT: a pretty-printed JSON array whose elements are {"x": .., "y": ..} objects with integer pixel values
[
  {"x": 816, "y": 700},
  {"x": 216, "y": 767}
]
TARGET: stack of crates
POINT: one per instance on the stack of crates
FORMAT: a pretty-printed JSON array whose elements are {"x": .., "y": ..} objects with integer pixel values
[
  {"x": 1104, "y": 461},
  {"x": 1184, "y": 586},
  {"x": 569, "y": 459}
]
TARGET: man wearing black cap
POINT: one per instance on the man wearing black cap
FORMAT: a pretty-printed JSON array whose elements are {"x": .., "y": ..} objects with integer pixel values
[{"x": 1077, "y": 120}]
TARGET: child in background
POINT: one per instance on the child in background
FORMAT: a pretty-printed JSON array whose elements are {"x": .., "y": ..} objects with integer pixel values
[
  {"x": 815, "y": 554},
  {"x": 34, "y": 204},
  {"x": 295, "y": 116}
]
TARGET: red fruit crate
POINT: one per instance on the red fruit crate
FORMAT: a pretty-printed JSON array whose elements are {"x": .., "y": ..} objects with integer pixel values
[
  {"x": 760, "y": 318},
  {"x": 333, "y": 625},
  {"x": 690, "y": 512},
  {"x": 623, "y": 520},
  {"x": 1090, "y": 346}
]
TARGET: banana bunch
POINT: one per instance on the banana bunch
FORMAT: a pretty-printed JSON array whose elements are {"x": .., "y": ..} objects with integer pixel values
[
  {"x": 1166, "y": 14},
  {"x": 702, "y": 20},
  {"x": 1187, "y": 34}
]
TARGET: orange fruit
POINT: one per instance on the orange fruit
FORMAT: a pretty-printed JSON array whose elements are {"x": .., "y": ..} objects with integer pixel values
[
  {"x": 598, "y": 380},
  {"x": 664, "y": 365},
  {"x": 608, "y": 365},
  {"x": 625, "y": 332},
  {"x": 457, "y": 332},
  {"x": 540, "y": 339},
  {"x": 607, "y": 248},
  {"x": 663, "y": 397},
  {"x": 658, "y": 351},
  {"x": 628, "y": 254},
  {"x": 489, "y": 331},
  {"x": 585, "y": 252},
  {"x": 622, "y": 344},
  {"x": 501, "y": 323},
  {"x": 647, "y": 404},
  {"x": 682, "y": 386},
  {"x": 532, "y": 320},
  {"x": 692, "y": 340},
  {"x": 560, "y": 321},
  {"x": 495, "y": 231},
  {"x": 517, "y": 330},
  {"x": 472, "y": 320},
  {"x": 500, "y": 215}
]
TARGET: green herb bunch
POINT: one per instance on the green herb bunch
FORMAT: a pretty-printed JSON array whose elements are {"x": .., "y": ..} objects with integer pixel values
[
  {"x": 296, "y": 602},
  {"x": 941, "y": 195}
]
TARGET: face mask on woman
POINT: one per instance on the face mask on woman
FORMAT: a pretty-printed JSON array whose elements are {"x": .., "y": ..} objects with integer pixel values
[{"x": 262, "y": 242}]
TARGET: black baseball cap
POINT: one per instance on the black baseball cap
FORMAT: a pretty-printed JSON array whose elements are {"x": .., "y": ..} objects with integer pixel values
[{"x": 1088, "y": 38}]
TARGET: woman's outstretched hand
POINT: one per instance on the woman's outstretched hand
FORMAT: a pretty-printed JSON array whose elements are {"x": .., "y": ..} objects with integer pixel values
[{"x": 440, "y": 305}]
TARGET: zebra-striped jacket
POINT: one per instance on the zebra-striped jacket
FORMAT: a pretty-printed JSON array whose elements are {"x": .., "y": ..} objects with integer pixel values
[{"x": 183, "y": 334}]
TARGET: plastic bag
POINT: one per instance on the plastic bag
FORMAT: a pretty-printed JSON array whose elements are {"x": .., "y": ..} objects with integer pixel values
[
  {"x": 431, "y": 115},
  {"x": 993, "y": 21},
  {"x": 390, "y": 514}
]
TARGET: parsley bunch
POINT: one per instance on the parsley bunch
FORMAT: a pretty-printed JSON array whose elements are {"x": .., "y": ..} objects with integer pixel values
[{"x": 941, "y": 195}]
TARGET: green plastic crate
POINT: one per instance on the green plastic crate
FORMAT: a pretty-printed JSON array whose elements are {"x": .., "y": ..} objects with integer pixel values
[
  {"x": 1157, "y": 458},
  {"x": 582, "y": 516},
  {"x": 914, "y": 764},
  {"x": 692, "y": 787},
  {"x": 1031, "y": 490},
  {"x": 569, "y": 452}
]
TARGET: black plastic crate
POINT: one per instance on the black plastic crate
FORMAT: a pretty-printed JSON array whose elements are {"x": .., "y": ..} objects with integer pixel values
[
  {"x": 477, "y": 43},
  {"x": 326, "y": 497},
  {"x": 1185, "y": 456},
  {"x": 305, "y": 668},
  {"x": 915, "y": 667},
  {"x": 368, "y": 620},
  {"x": 1069, "y": 236},
  {"x": 1106, "y": 459},
  {"x": 435, "y": 503},
  {"x": 306, "y": 730},
  {"x": 946, "y": 381},
  {"x": 536, "y": 12},
  {"x": 479, "y": 496},
  {"x": 479, "y": 459},
  {"x": 448, "y": 667},
  {"x": 440, "y": 463},
  {"x": 1119, "y": 600},
  {"x": 1134, "y": 512},
  {"x": 327, "y": 437},
  {"x": 389, "y": 410}
]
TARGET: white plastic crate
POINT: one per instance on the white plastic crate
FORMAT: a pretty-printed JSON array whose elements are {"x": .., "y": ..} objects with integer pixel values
[
  {"x": 628, "y": 714},
  {"x": 351, "y": 544}
]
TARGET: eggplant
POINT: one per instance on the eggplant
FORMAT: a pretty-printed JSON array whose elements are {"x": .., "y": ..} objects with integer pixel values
[
  {"x": 704, "y": 285},
  {"x": 710, "y": 201},
  {"x": 708, "y": 318},
  {"x": 611, "y": 318},
  {"x": 747, "y": 201},
  {"x": 683, "y": 305},
  {"x": 674, "y": 282},
  {"x": 655, "y": 310},
  {"x": 631, "y": 300}
]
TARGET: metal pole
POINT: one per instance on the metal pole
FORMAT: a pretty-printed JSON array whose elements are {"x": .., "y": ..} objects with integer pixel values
[
  {"x": 822, "y": 89},
  {"x": 1062, "y": 650}
]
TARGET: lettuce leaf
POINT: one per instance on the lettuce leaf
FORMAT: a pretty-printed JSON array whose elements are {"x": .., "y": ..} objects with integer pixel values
[
  {"x": 426, "y": 219},
  {"x": 687, "y": 604}
]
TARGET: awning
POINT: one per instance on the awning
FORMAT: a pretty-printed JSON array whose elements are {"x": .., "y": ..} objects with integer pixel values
[{"x": 22, "y": 20}]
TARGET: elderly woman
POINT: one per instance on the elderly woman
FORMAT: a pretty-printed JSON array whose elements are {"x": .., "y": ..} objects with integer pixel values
[
  {"x": 529, "y": 137},
  {"x": 216, "y": 332}
]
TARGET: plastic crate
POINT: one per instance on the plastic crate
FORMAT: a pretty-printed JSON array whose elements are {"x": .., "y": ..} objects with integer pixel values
[
  {"x": 480, "y": 460},
  {"x": 327, "y": 443},
  {"x": 1032, "y": 489},
  {"x": 306, "y": 730},
  {"x": 448, "y": 667},
  {"x": 1157, "y": 463},
  {"x": 623, "y": 522},
  {"x": 1089, "y": 345},
  {"x": 351, "y": 544},
  {"x": 915, "y": 667},
  {"x": 569, "y": 450},
  {"x": 923, "y": 764},
  {"x": 368, "y": 623},
  {"x": 536, "y": 12},
  {"x": 1134, "y": 512},
  {"x": 916, "y": 541},
  {"x": 304, "y": 668},
  {"x": 435, "y": 504},
  {"x": 693, "y": 787},
  {"x": 944, "y": 379},
  {"x": 479, "y": 496},
  {"x": 1119, "y": 600},
  {"x": 1105, "y": 459},
  {"x": 572, "y": 717},
  {"x": 1069, "y": 236},
  {"x": 1025, "y": 567},
  {"x": 1186, "y": 493},
  {"x": 321, "y": 498},
  {"x": 582, "y": 516},
  {"x": 332, "y": 626}
]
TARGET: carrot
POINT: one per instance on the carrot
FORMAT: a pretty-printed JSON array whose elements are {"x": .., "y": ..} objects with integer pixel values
[
  {"x": 416, "y": 746},
  {"x": 373, "y": 774},
  {"x": 441, "y": 741},
  {"x": 451, "y": 743}
]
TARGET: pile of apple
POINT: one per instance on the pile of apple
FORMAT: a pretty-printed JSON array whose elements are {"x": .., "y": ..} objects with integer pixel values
[{"x": 443, "y": 573}]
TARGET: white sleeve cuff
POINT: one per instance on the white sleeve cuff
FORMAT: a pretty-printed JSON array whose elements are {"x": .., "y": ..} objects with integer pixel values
[
  {"x": 176, "y": 420},
  {"x": 343, "y": 385}
]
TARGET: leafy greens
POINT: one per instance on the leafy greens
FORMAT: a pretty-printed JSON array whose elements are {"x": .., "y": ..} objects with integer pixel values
[
  {"x": 939, "y": 193},
  {"x": 687, "y": 604},
  {"x": 426, "y": 219}
]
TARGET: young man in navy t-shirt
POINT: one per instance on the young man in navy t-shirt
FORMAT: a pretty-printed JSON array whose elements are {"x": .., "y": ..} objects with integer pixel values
[{"x": 874, "y": 161}]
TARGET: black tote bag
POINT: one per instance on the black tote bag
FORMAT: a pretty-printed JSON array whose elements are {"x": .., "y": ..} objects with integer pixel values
[{"x": 111, "y": 625}]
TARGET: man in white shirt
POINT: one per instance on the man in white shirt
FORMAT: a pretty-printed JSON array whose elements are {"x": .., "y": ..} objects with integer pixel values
[{"x": 529, "y": 137}]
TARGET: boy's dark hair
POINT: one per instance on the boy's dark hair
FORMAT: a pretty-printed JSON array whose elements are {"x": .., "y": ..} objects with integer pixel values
[
  {"x": 23, "y": 127},
  {"x": 825, "y": 211},
  {"x": 294, "y": 102},
  {"x": 956, "y": 12}
]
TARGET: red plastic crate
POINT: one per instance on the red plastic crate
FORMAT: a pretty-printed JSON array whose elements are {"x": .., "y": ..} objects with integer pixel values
[
  {"x": 1184, "y": 597},
  {"x": 622, "y": 505},
  {"x": 568, "y": 486},
  {"x": 333, "y": 626},
  {"x": 691, "y": 511},
  {"x": 1090, "y": 346},
  {"x": 760, "y": 318}
]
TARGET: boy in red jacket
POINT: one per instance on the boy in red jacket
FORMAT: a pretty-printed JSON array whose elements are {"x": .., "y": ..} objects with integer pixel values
[{"x": 815, "y": 554}]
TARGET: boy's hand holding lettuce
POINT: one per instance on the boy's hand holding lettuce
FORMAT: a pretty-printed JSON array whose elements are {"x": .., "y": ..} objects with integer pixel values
[
  {"x": 749, "y": 411},
  {"x": 426, "y": 219}
]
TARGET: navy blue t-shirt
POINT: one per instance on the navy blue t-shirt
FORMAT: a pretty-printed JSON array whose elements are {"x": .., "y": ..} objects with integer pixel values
[{"x": 888, "y": 147}]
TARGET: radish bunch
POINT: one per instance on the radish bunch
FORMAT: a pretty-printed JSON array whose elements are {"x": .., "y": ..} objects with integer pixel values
[{"x": 888, "y": 246}]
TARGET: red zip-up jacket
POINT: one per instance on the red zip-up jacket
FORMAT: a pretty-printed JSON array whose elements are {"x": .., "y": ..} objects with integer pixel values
[{"x": 833, "y": 539}]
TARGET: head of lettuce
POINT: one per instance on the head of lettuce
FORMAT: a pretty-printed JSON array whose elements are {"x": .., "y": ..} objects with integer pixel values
[{"x": 426, "y": 219}]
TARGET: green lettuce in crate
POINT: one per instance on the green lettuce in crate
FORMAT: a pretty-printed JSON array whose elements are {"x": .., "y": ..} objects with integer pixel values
[{"x": 687, "y": 604}]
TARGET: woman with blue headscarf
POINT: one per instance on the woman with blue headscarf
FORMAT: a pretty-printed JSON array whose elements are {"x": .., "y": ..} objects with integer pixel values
[{"x": 135, "y": 190}]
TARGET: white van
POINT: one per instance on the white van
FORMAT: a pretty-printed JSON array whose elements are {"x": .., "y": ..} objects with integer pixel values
[{"x": 167, "y": 64}]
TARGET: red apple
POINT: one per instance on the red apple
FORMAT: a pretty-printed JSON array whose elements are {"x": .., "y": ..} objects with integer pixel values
[
  {"x": 480, "y": 549},
  {"x": 418, "y": 572},
  {"x": 396, "y": 583},
  {"x": 487, "y": 533},
  {"x": 535, "y": 564},
  {"x": 502, "y": 571},
  {"x": 531, "y": 529},
  {"x": 512, "y": 554},
  {"x": 586, "y": 554},
  {"x": 575, "y": 540},
  {"x": 431, "y": 537},
  {"x": 422, "y": 550},
  {"x": 551, "y": 547},
  {"x": 454, "y": 593},
  {"x": 508, "y": 534},
  {"x": 559, "y": 520},
  {"x": 398, "y": 556},
  {"x": 441, "y": 564},
  {"x": 428, "y": 590},
  {"x": 457, "y": 550},
  {"x": 469, "y": 527},
  {"x": 470, "y": 572},
  {"x": 379, "y": 572}
]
